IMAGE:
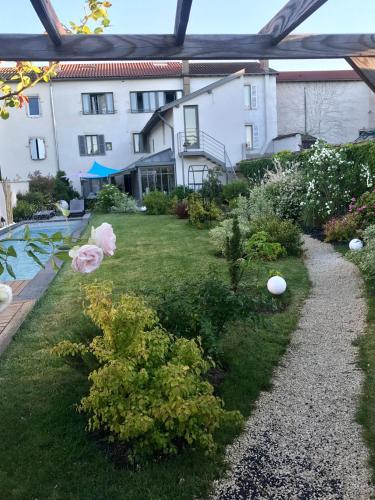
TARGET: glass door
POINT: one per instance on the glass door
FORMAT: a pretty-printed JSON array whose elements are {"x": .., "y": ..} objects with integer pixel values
[{"x": 191, "y": 127}]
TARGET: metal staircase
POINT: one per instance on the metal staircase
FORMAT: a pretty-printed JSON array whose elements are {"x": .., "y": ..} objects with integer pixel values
[{"x": 192, "y": 143}]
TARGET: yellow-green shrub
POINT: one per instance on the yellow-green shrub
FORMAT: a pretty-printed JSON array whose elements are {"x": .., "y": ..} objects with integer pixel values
[
  {"x": 149, "y": 390},
  {"x": 202, "y": 212}
]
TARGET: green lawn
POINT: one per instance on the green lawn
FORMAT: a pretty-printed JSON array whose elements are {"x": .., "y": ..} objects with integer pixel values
[{"x": 45, "y": 452}]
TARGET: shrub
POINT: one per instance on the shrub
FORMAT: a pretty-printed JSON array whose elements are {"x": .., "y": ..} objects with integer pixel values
[
  {"x": 62, "y": 188},
  {"x": 149, "y": 390},
  {"x": 235, "y": 189},
  {"x": 280, "y": 231},
  {"x": 23, "y": 211},
  {"x": 260, "y": 204},
  {"x": 364, "y": 208},
  {"x": 255, "y": 170},
  {"x": 365, "y": 258},
  {"x": 108, "y": 197},
  {"x": 220, "y": 233},
  {"x": 341, "y": 228},
  {"x": 202, "y": 212},
  {"x": 287, "y": 193},
  {"x": 157, "y": 203},
  {"x": 331, "y": 179},
  {"x": 200, "y": 307},
  {"x": 35, "y": 198},
  {"x": 260, "y": 247},
  {"x": 233, "y": 254},
  {"x": 212, "y": 188},
  {"x": 41, "y": 183},
  {"x": 181, "y": 192},
  {"x": 181, "y": 209},
  {"x": 127, "y": 205}
]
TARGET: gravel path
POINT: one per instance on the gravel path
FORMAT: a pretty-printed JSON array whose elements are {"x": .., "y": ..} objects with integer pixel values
[{"x": 302, "y": 441}]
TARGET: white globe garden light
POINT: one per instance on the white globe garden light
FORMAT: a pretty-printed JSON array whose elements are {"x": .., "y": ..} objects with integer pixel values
[
  {"x": 356, "y": 245},
  {"x": 276, "y": 285},
  {"x": 63, "y": 204}
]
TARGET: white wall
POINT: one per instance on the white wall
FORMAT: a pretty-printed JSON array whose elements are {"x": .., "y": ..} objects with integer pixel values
[
  {"x": 15, "y": 133},
  {"x": 292, "y": 143},
  {"x": 335, "y": 111}
]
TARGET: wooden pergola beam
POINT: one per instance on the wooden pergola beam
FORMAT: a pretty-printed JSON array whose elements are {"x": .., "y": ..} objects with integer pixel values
[
  {"x": 289, "y": 17},
  {"x": 142, "y": 47},
  {"x": 49, "y": 19},
  {"x": 365, "y": 67},
  {"x": 182, "y": 19}
]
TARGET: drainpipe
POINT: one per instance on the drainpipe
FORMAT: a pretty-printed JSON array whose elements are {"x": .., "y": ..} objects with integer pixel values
[
  {"x": 305, "y": 107},
  {"x": 173, "y": 144},
  {"x": 54, "y": 125}
]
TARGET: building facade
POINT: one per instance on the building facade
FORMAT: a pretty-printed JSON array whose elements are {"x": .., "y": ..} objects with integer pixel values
[{"x": 102, "y": 112}]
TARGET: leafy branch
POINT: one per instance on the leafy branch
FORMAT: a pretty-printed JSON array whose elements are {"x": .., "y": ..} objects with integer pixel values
[{"x": 26, "y": 75}]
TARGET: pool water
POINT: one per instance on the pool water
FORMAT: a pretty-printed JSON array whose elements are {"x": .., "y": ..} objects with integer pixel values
[{"x": 24, "y": 266}]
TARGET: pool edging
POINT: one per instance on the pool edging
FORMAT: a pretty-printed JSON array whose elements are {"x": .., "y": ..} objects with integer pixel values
[{"x": 34, "y": 290}]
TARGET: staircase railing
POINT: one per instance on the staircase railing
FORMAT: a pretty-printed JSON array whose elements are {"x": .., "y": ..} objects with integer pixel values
[{"x": 195, "y": 142}]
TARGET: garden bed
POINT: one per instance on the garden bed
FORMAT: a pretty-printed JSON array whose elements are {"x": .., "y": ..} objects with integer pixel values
[{"x": 46, "y": 452}]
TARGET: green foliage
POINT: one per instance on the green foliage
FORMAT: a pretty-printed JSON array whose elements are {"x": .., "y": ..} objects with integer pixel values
[
  {"x": 224, "y": 230},
  {"x": 23, "y": 210},
  {"x": 280, "y": 231},
  {"x": 260, "y": 203},
  {"x": 255, "y": 170},
  {"x": 35, "y": 198},
  {"x": 149, "y": 390},
  {"x": 343, "y": 228},
  {"x": 108, "y": 197},
  {"x": 365, "y": 258},
  {"x": 233, "y": 254},
  {"x": 157, "y": 203},
  {"x": 364, "y": 208},
  {"x": 62, "y": 188},
  {"x": 361, "y": 154},
  {"x": 181, "y": 192},
  {"x": 202, "y": 212},
  {"x": 287, "y": 194},
  {"x": 212, "y": 189},
  {"x": 234, "y": 189},
  {"x": 200, "y": 307},
  {"x": 331, "y": 180},
  {"x": 127, "y": 205},
  {"x": 260, "y": 247}
]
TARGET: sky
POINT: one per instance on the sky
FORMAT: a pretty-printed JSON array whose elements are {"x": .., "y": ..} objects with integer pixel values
[{"x": 207, "y": 16}]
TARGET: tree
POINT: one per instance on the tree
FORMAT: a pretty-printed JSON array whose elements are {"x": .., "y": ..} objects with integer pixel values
[{"x": 27, "y": 75}]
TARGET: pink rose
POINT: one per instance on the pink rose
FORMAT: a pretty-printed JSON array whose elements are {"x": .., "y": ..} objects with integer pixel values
[
  {"x": 86, "y": 259},
  {"x": 104, "y": 237}
]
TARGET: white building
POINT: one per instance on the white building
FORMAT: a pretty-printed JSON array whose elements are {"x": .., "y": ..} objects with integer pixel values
[{"x": 96, "y": 112}]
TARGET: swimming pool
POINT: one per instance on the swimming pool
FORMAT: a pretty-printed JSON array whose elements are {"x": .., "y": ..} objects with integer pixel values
[{"x": 24, "y": 266}]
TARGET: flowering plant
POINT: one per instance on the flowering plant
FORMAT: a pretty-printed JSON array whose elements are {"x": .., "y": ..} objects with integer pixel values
[
  {"x": 331, "y": 179},
  {"x": 364, "y": 208}
]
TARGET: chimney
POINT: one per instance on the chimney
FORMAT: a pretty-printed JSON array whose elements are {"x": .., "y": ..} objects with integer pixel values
[
  {"x": 186, "y": 77},
  {"x": 265, "y": 65}
]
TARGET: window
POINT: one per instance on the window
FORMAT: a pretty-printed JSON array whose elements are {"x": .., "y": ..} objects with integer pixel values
[
  {"x": 251, "y": 96},
  {"x": 108, "y": 146},
  {"x": 90, "y": 145},
  {"x": 37, "y": 148},
  {"x": 97, "y": 104},
  {"x": 159, "y": 178},
  {"x": 249, "y": 136},
  {"x": 147, "y": 102},
  {"x": 33, "y": 107},
  {"x": 139, "y": 145}
]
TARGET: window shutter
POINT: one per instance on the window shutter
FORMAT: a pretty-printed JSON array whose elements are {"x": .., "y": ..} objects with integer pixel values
[
  {"x": 255, "y": 136},
  {"x": 101, "y": 144},
  {"x": 82, "y": 145},
  {"x": 254, "y": 97},
  {"x": 86, "y": 104},
  {"x": 33, "y": 149},
  {"x": 133, "y": 101},
  {"x": 41, "y": 149},
  {"x": 109, "y": 103}
]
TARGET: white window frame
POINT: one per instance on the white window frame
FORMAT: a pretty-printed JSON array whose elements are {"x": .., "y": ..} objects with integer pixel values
[
  {"x": 249, "y": 145},
  {"x": 28, "y": 108}
]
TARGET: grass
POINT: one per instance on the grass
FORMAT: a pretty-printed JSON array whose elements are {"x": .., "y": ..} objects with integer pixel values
[
  {"x": 45, "y": 452},
  {"x": 366, "y": 343}
]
